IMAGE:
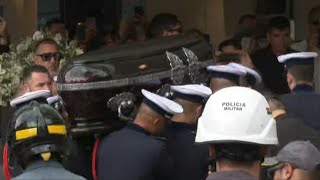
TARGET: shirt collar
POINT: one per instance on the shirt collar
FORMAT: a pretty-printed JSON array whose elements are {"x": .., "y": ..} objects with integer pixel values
[
  {"x": 231, "y": 175},
  {"x": 137, "y": 128},
  {"x": 180, "y": 126},
  {"x": 40, "y": 163},
  {"x": 302, "y": 88}
]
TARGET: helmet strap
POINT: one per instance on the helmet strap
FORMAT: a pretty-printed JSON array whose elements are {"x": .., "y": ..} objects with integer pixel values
[{"x": 46, "y": 156}]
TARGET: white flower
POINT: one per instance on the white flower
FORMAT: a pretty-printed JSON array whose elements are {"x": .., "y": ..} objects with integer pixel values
[
  {"x": 20, "y": 57},
  {"x": 79, "y": 51},
  {"x": 57, "y": 37},
  {"x": 73, "y": 43},
  {"x": 19, "y": 48},
  {"x": 2, "y": 71},
  {"x": 38, "y": 35},
  {"x": 27, "y": 43}
]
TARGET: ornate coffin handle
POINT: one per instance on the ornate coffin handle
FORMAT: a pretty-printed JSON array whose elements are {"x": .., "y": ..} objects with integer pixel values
[
  {"x": 123, "y": 102},
  {"x": 165, "y": 90},
  {"x": 126, "y": 105},
  {"x": 177, "y": 68},
  {"x": 194, "y": 64}
]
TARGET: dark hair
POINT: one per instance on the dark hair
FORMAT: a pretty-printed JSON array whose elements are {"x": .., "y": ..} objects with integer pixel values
[
  {"x": 230, "y": 42},
  {"x": 275, "y": 103},
  {"x": 278, "y": 22},
  {"x": 160, "y": 23},
  {"x": 26, "y": 75},
  {"x": 246, "y": 16},
  {"x": 54, "y": 20},
  {"x": 45, "y": 41},
  {"x": 302, "y": 72},
  {"x": 313, "y": 12},
  {"x": 238, "y": 152}
]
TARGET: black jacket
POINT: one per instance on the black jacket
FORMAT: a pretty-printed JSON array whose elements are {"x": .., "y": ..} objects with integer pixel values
[
  {"x": 190, "y": 159},
  {"x": 304, "y": 104},
  {"x": 291, "y": 128},
  {"x": 272, "y": 72},
  {"x": 132, "y": 153}
]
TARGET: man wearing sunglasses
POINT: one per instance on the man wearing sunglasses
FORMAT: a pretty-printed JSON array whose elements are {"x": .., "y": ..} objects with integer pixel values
[
  {"x": 312, "y": 43},
  {"x": 47, "y": 54},
  {"x": 297, "y": 160}
]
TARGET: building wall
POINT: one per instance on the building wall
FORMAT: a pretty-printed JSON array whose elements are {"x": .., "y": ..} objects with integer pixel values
[
  {"x": 233, "y": 10},
  {"x": 214, "y": 21},
  {"x": 21, "y": 16},
  {"x": 300, "y": 13}
]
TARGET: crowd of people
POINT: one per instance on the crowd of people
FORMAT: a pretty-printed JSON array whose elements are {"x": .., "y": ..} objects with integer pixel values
[{"x": 257, "y": 119}]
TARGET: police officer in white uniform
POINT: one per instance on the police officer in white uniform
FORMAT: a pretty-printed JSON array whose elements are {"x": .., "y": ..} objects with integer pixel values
[{"x": 238, "y": 126}]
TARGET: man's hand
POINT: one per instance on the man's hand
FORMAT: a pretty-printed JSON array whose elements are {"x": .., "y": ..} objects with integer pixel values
[{"x": 245, "y": 59}]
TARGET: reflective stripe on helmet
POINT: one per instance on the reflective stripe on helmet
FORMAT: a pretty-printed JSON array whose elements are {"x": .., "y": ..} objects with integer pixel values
[
  {"x": 57, "y": 129},
  {"x": 26, "y": 133}
]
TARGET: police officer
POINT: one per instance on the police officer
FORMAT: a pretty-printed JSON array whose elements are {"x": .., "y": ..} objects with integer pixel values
[
  {"x": 132, "y": 153},
  {"x": 190, "y": 159},
  {"x": 290, "y": 127},
  {"x": 222, "y": 76},
  {"x": 303, "y": 102},
  {"x": 238, "y": 126},
  {"x": 38, "y": 141},
  {"x": 297, "y": 160}
]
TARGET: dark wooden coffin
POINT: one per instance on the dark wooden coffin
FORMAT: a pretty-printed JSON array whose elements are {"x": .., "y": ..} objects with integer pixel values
[{"x": 100, "y": 87}]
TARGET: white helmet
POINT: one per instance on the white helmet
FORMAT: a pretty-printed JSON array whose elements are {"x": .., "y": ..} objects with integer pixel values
[{"x": 237, "y": 114}]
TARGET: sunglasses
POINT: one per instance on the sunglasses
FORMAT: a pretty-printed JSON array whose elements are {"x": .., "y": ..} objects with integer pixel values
[{"x": 48, "y": 56}]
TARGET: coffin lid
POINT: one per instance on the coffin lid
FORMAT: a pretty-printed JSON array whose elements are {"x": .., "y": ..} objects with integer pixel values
[{"x": 118, "y": 65}]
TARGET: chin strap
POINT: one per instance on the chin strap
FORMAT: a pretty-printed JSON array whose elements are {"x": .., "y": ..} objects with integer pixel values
[
  {"x": 5, "y": 162},
  {"x": 94, "y": 159}
]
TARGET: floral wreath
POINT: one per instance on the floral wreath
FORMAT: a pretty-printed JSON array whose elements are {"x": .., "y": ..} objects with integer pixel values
[{"x": 20, "y": 57}]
